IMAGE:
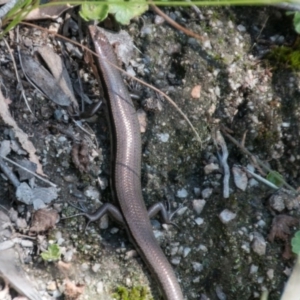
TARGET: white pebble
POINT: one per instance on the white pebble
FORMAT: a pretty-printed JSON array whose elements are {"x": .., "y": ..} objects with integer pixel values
[
  {"x": 163, "y": 137},
  {"x": 182, "y": 193},
  {"x": 240, "y": 178},
  {"x": 100, "y": 287},
  {"x": 210, "y": 168},
  {"x": 226, "y": 216},
  {"x": 270, "y": 274},
  {"x": 259, "y": 244},
  {"x": 197, "y": 266},
  {"x": 253, "y": 269},
  {"x": 175, "y": 261},
  {"x": 202, "y": 248},
  {"x": 186, "y": 251},
  {"x": 241, "y": 28},
  {"x": 198, "y": 205},
  {"x": 206, "y": 192},
  {"x": 96, "y": 267},
  {"x": 199, "y": 221}
]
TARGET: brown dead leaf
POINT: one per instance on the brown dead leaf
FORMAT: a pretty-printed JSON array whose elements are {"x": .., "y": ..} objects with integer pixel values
[
  {"x": 43, "y": 220},
  {"x": 50, "y": 12},
  {"x": 280, "y": 230},
  {"x": 73, "y": 291},
  {"x": 21, "y": 136},
  {"x": 65, "y": 268},
  {"x": 280, "y": 227},
  {"x": 80, "y": 156}
]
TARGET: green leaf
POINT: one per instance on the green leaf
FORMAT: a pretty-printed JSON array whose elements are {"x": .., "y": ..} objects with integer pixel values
[
  {"x": 125, "y": 11},
  {"x": 276, "y": 178},
  {"x": 296, "y": 243},
  {"x": 53, "y": 253},
  {"x": 297, "y": 21},
  {"x": 94, "y": 12}
]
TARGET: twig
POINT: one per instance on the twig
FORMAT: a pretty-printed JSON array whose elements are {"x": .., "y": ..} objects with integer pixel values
[
  {"x": 246, "y": 151},
  {"x": 27, "y": 170},
  {"x": 219, "y": 140},
  {"x": 16, "y": 70},
  {"x": 261, "y": 179},
  {"x": 9, "y": 173},
  {"x": 124, "y": 72},
  {"x": 175, "y": 24}
]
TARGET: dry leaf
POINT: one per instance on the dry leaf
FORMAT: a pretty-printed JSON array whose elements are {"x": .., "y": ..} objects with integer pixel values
[
  {"x": 66, "y": 269},
  {"x": 80, "y": 156},
  {"x": 46, "y": 83},
  {"x": 50, "y": 12},
  {"x": 43, "y": 220},
  {"x": 20, "y": 135},
  {"x": 280, "y": 229},
  {"x": 72, "y": 291}
]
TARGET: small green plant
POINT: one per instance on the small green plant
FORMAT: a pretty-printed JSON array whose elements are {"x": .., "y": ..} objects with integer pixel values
[
  {"x": 123, "y": 11},
  {"x": 136, "y": 293},
  {"x": 52, "y": 254},
  {"x": 276, "y": 178},
  {"x": 296, "y": 243},
  {"x": 296, "y": 20}
]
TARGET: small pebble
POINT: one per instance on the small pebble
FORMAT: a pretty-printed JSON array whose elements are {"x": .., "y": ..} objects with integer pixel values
[
  {"x": 253, "y": 269},
  {"x": 51, "y": 286},
  {"x": 276, "y": 201},
  {"x": 197, "y": 266},
  {"x": 96, "y": 267},
  {"x": 100, "y": 287},
  {"x": 196, "y": 92},
  {"x": 92, "y": 193},
  {"x": 174, "y": 250},
  {"x": 202, "y": 248},
  {"x": 220, "y": 294},
  {"x": 199, "y": 221},
  {"x": 270, "y": 274},
  {"x": 27, "y": 244},
  {"x": 181, "y": 211},
  {"x": 240, "y": 178},
  {"x": 198, "y": 205},
  {"x": 211, "y": 168},
  {"x": 158, "y": 20},
  {"x": 259, "y": 244},
  {"x": 241, "y": 28},
  {"x": 206, "y": 193},
  {"x": 182, "y": 193},
  {"x": 175, "y": 261},
  {"x": 84, "y": 267},
  {"x": 68, "y": 255},
  {"x": 197, "y": 191},
  {"x": 163, "y": 137},
  {"x": 114, "y": 230},
  {"x": 186, "y": 251},
  {"x": 130, "y": 254},
  {"x": 226, "y": 216}
]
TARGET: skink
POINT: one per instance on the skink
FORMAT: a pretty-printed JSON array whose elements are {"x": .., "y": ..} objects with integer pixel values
[{"x": 126, "y": 175}]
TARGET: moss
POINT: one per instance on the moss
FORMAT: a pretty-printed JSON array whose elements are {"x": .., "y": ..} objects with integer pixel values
[
  {"x": 136, "y": 293},
  {"x": 288, "y": 57}
]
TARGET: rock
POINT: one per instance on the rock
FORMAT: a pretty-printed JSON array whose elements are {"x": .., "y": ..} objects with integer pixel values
[
  {"x": 226, "y": 216},
  {"x": 259, "y": 244},
  {"x": 198, "y": 205}
]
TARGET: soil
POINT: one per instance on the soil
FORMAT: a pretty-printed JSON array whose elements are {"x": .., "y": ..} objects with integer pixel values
[{"x": 255, "y": 98}]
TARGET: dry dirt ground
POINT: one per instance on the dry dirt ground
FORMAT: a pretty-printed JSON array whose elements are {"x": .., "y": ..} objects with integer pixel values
[{"x": 238, "y": 87}]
